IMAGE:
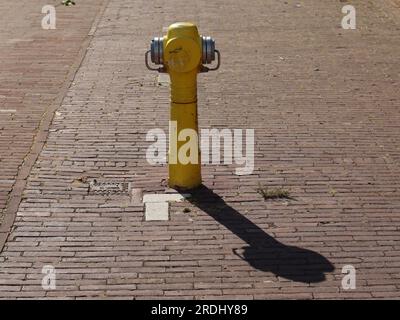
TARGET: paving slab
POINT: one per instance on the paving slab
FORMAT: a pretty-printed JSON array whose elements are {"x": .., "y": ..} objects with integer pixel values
[{"x": 156, "y": 211}]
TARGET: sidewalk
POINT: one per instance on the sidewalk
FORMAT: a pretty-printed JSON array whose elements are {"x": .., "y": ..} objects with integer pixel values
[
  {"x": 324, "y": 103},
  {"x": 35, "y": 69}
]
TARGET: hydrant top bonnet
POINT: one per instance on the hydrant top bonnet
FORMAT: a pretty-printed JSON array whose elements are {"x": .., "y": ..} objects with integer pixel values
[{"x": 182, "y": 34}]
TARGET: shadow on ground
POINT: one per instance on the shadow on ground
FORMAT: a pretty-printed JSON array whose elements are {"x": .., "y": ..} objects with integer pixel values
[{"x": 263, "y": 251}]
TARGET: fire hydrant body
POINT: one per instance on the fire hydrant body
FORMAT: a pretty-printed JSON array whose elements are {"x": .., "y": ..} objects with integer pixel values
[{"x": 182, "y": 53}]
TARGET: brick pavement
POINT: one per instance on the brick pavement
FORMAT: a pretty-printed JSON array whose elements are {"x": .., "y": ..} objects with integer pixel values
[
  {"x": 36, "y": 68},
  {"x": 325, "y": 106}
]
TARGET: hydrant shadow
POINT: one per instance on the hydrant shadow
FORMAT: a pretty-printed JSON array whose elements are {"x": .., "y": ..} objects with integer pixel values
[{"x": 263, "y": 251}]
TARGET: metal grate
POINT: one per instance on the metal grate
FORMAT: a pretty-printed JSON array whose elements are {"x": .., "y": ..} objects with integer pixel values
[{"x": 108, "y": 187}]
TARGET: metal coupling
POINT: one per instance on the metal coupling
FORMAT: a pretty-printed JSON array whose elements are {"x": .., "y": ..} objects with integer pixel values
[{"x": 156, "y": 54}]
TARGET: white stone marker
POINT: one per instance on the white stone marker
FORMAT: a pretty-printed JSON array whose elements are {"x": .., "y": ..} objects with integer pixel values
[{"x": 156, "y": 211}]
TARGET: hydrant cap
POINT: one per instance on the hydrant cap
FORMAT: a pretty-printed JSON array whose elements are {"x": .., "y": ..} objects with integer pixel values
[
  {"x": 187, "y": 29},
  {"x": 183, "y": 47},
  {"x": 182, "y": 54}
]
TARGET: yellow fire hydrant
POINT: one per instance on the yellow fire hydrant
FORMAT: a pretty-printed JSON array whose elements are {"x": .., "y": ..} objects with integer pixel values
[{"x": 182, "y": 54}]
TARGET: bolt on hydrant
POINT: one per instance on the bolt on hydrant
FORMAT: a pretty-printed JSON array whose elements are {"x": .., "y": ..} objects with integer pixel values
[{"x": 182, "y": 54}]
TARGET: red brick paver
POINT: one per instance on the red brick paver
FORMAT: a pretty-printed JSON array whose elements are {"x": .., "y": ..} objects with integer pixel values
[
  {"x": 35, "y": 70},
  {"x": 324, "y": 103}
]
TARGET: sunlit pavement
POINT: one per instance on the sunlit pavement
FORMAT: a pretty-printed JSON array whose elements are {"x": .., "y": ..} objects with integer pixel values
[{"x": 324, "y": 104}]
